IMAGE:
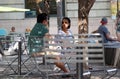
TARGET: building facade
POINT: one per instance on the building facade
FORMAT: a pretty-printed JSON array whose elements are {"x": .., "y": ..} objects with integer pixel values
[
  {"x": 70, "y": 8},
  {"x": 12, "y": 15},
  {"x": 100, "y": 8}
]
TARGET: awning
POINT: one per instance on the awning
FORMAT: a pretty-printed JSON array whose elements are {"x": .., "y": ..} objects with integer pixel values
[{"x": 11, "y": 9}]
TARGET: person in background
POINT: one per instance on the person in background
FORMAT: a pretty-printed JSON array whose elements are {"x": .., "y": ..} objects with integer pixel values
[
  {"x": 117, "y": 25},
  {"x": 103, "y": 30},
  {"x": 27, "y": 32},
  {"x": 12, "y": 33},
  {"x": 11, "y": 36},
  {"x": 40, "y": 30},
  {"x": 12, "y": 29}
]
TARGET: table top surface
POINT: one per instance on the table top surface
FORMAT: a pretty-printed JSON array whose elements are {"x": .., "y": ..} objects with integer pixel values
[{"x": 115, "y": 44}]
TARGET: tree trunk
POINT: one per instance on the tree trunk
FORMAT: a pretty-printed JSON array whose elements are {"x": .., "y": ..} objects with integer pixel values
[{"x": 84, "y": 7}]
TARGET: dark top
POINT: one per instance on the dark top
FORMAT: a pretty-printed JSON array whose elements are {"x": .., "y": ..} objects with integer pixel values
[
  {"x": 35, "y": 41},
  {"x": 103, "y": 31}
]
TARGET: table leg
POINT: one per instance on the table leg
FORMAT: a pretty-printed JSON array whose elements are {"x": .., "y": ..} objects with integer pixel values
[
  {"x": 79, "y": 70},
  {"x": 19, "y": 57}
]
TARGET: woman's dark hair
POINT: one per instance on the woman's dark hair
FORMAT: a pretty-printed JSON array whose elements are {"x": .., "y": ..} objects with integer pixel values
[
  {"x": 41, "y": 17},
  {"x": 69, "y": 21}
]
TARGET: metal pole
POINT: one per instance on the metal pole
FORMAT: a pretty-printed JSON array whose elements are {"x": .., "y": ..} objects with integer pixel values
[
  {"x": 79, "y": 66},
  {"x": 59, "y": 13},
  {"x": 79, "y": 71},
  {"x": 19, "y": 57}
]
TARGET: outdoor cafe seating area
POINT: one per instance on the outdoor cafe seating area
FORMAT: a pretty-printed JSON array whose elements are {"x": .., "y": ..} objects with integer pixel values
[{"x": 19, "y": 62}]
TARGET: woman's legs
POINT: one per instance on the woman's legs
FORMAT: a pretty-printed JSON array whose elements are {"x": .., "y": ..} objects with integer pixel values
[{"x": 61, "y": 65}]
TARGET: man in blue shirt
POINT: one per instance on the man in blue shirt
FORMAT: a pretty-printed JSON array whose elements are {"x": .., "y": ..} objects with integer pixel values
[{"x": 103, "y": 30}]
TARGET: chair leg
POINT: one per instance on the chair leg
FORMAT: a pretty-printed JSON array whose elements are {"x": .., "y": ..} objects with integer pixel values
[
  {"x": 36, "y": 67},
  {"x": 112, "y": 71},
  {"x": 10, "y": 66}
]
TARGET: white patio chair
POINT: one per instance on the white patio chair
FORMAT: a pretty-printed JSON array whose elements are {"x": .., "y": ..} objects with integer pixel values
[
  {"x": 87, "y": 52},
  {"x": 10, "y": 57}
]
